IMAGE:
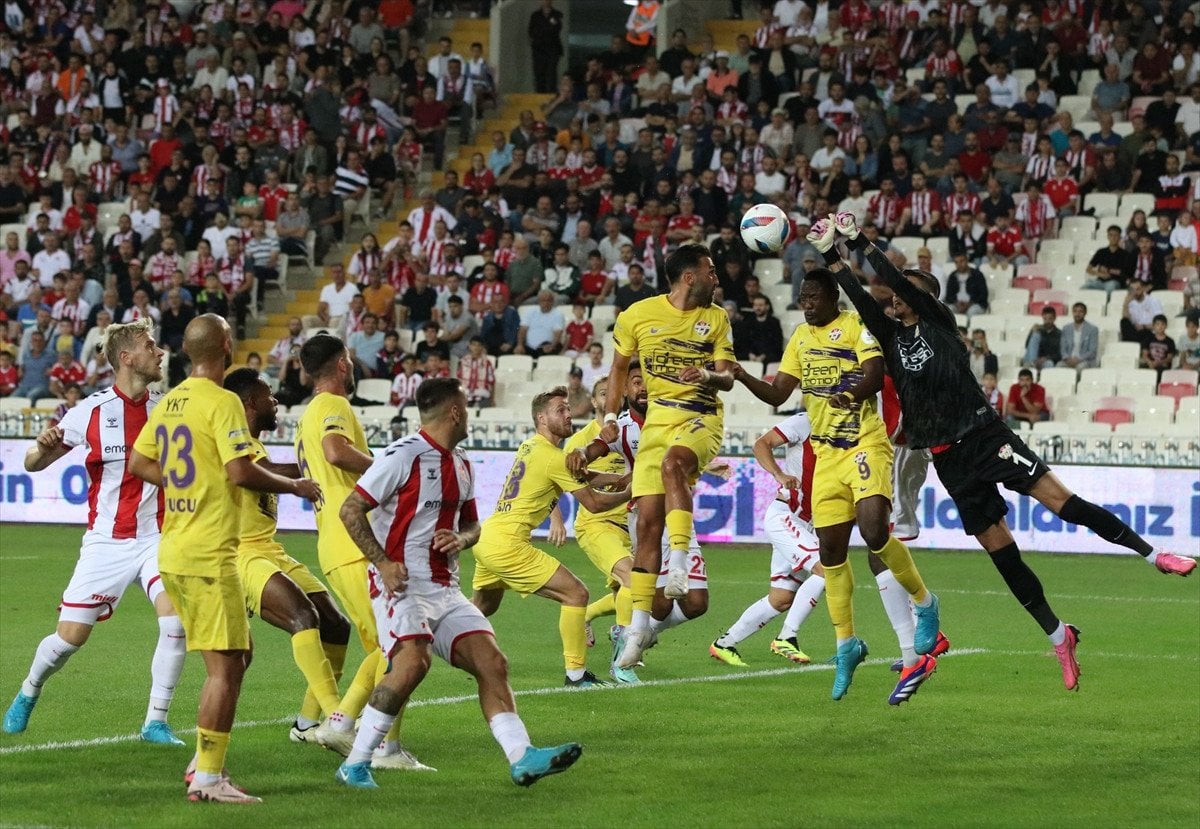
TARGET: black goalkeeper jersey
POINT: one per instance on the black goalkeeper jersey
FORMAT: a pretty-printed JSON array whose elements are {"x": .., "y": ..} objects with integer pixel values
[{"x": 939, "y": 396}]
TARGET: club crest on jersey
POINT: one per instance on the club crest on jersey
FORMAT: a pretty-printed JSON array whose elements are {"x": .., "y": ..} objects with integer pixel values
[
  {"x": 702, "y": 328},
  {"x": 914, "y": 355},
  {"x": 835, "y": 334},
  {"x": 1006, "y": 452},
  {"x": 860, "y": 457}
]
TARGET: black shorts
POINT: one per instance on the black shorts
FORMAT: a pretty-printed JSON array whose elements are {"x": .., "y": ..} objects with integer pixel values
[{"x": 971, "y": 469}]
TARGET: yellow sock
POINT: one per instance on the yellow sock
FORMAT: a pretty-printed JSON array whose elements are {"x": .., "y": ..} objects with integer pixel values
[
  {"x": 210, "y": 750},
  {"x": 900, "y": 561},
  {"x": 679, "y": 529},
  {"x": 574, "y": 639},
  {"x": 641, "y": 589},
  {"x": 624, "y": 600},
  {"x": 603, "y": 606},
  {"x": 361, "y": 686},
  {"x": 310, "y": 708},
  {"x": 312, "y": 662},
  {"x": 839, "y": 595}
]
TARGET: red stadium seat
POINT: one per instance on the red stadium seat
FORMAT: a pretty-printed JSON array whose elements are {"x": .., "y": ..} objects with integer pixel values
[
  {"x": 1031, "y": 283},
  {"x": 1112, "y": 416},
  {"x": 1118, "y": 402},
  {"x": 1035, "y": 308},
  {"x": 1177, "y": 390}
]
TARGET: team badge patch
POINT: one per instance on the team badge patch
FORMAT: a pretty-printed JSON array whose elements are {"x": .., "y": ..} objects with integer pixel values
[
  {"x": 702, "y": 328},
  {"x": 859, "y": 457},
  {"x": 835, "y": 334},
  {"x": 1006, "y": 452}
]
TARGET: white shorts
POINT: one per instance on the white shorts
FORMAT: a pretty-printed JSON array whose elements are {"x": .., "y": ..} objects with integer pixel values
[
  {"x": 436, "y": 614},
  {"x": 793, "y": 546},
  {"x": 696, "y": 568},
  {"x": 105, "y": 569}
]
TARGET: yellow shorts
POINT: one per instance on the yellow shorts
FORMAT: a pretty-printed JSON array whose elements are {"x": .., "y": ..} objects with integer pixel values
[
  {"x": 349, "y": 583},
  {"x": 843, "y": 477},
  {"x": 701, "y": 434},
  {"x": 605, "y": 543},
  {"x": 512, "y": 563},
  {"x": 257, "y": 563},
  {"x": 212, "y": 610}
]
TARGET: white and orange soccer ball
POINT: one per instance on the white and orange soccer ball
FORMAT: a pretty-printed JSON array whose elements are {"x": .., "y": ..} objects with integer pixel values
[{"x": 765, "y": 228}]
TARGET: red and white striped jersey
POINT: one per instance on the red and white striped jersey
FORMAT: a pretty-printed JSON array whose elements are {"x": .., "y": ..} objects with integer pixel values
[
  {"x": 416, "y": 488},
  {"x": 957, "y": 202},
  {"x": 106, "y": 424},
  {"x": 733, "y": 110},
  {"x": 1040, "y": 168},
  {"x": 166, "y": 110},
  {"x": 105, "y": 176},
  {"x": 75, "y": 313},
  {"x": 799, "y": 461},
  {"x": 1034, "y": 216},
  {"x": 291, "y": 134},
  {"x": 884, "y": 210},
  {"x": 763, "y": 34},
  {"x": 922, "y": 205},
  {"x": 629, "y": 435}
]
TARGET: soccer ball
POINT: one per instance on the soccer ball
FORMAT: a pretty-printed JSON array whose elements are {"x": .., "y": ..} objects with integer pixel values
[{"x": 765, "y": 228}]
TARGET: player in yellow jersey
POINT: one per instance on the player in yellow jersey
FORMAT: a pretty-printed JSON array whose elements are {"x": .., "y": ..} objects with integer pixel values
[
  {"x": 839, "y": 367},
  {"x": 504, "y": 557},
  {"x": 685, "y": 346},
  {"x": 331, "y": 448},
  {"x": 604, "y": 537},
  {"x": 196, "y": 446},
  {"x": 279, "y": 589}
]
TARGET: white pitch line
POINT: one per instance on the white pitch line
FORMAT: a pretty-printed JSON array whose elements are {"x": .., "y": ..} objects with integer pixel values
[{"x": 560, "y": 689}]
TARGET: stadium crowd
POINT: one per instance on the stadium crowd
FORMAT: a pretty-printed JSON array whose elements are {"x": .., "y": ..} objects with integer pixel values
[{"x": 164, "y": 164}]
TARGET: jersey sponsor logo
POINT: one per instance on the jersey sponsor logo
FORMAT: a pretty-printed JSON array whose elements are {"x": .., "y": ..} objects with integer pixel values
[
  {"x": 434, "y": 504},
  {"x": 100, "y": 597},
  {"x": 914, "y": 355},
  {"x": 175, "y": 405},
  {"x": 702, "y": 328},
  {"x": 117, "y": 449},
  {"x": 820, "y": 374}
]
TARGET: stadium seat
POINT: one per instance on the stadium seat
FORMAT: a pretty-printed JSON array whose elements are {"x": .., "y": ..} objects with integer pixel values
[
  {"x": 939, "y": 246},
  {"x": 1071, "y": 278},
  {"x": 515, "y": 363},
  {"x": 382, "y": 413},
  {"x": 992, "y": 325},
  {"x": 1096, "y": 380},
  {"x": 14, "y": 404},
  {"x": 754, "y": 368},
  {"x": 908, "y": 245},
  {"x": 603, "y": 317},
  {"x": 1180, "y": 375},
  {"x": 1176, "y": 391},
  {"x": 1137, "y": 201},
  {"x": 500, "y": 388},
  {"x": 1180, "y": 274},
  {"x": 1088, "y": 80},
  {"x": 1154, "y": 408},
  {"x": 1112, "y": 416},
  {"x": 1096, "y": 300},
  {"x": 552, "y": 367},
  {"x": 376, "y": 389},
  {"x": 1087, "y": 127},
  {"x": 1172, "y": 304},
  {"x": 1049, "y": 247},
  {"x": 1102, "y": 204},
  {"x": 1138, "y": 105},
  {"x": 769, "y": 271},
  {"x": 1135, "y": 382},
  {"x": 1120, "y": 355},
  {"x": 1077, "y": 105},
  {"x": 780, "y": 296},
  {"x": 1058, "y": 374},
  {"x": 1031, "y": 282}
]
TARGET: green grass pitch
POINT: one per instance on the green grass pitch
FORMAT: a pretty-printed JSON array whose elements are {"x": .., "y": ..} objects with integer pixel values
[{"x": 991, "y": 740}]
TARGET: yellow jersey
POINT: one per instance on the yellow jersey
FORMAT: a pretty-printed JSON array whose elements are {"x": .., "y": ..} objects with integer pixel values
[
  {"x": 538, "y": 477},
  {"x": 260, "y": 510},
  {"x": 827, "y": 360},
  {"x": 330, "y": 414},
  {"x": 192, "y": 433},
  {"x": 667, "y": 341},
  {"x": 612, "y": 463}
]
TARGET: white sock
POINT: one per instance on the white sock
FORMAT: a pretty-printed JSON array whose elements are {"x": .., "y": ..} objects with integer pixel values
[
  {"x": 371, "y": 732},
  {"x": 205, "y": 778},
  {"x": 1060, "y": 635},
  {"x": 304, "y": 723},
  {"x": 899, "y": 612},
  {"x": 51, "y": 654},
  {"x": 806, "y": 600},
  {"x": 166, "y": 666},
  {"x": 675, "y": 617},
  {"x": 388, "y": 747},
  {"x": 753, "y": 619},
  {"x": 678, "y": 560},
  {"x": 510, "y": 733},
  {"x": 339, "y": 722},
  {"x": 641, "y": 620},
  {"x": 1151, "y": 557},
  {"x": 576, "y": 674}
]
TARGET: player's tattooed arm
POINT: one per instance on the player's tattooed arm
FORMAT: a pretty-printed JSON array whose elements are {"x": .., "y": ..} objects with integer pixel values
[{"x": 354, "y": 515}]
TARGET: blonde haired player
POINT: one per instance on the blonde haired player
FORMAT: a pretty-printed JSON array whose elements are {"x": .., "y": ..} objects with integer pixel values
[
  {"x": 120, "y": 546},
  {"x": 196, "y": 447},
  {"x": 839, "y": 367},
  {"x": 331, "y": 448},
  {"x": 685, "y": 345},
  {"x": 504, "y": 557}
]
